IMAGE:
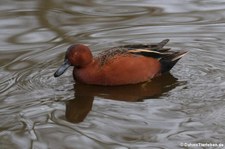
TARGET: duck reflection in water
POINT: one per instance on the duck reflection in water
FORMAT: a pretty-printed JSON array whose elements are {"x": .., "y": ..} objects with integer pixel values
[{"x": 79, "y": 107}]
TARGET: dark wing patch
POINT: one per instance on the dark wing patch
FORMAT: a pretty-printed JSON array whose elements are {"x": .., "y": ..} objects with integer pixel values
[
  {"x": 149, "y": 50},
  {"x": 153, "y": 47}
]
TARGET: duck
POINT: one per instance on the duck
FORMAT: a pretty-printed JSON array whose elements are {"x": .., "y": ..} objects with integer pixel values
[{"x": 121, "y": 65}]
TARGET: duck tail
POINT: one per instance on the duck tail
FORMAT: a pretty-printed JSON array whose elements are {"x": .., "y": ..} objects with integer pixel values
[
  {"x": 162, "y": 43},
  {"x": 168, "y": 62}
]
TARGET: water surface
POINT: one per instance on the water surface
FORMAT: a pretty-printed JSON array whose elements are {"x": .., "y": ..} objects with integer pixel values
[{"x": 40, "y": 111}]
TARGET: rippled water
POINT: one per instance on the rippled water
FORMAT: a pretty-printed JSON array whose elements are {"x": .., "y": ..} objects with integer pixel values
[{"x": 39, "y": 111}]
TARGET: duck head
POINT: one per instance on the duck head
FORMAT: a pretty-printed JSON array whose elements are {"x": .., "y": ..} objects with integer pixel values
[{"x": 78, "y": 56}]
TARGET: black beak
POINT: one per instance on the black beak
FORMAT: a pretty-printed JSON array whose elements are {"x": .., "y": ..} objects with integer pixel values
[{"x": 62, "y": 68}]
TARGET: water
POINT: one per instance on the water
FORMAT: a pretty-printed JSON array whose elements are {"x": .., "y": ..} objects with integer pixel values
[{"x": 40, "y": 111}]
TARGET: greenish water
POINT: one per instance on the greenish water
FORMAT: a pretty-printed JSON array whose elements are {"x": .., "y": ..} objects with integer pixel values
[{"x": 40, "y": 111}]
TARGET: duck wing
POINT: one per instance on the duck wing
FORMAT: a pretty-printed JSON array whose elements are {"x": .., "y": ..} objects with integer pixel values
[
  {"x": 154, "y": 47},
  {"x": 166, "y": 57}
]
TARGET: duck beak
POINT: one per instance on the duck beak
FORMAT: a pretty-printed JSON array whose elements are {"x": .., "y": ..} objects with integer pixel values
[{"x": 62, "y": 68}]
